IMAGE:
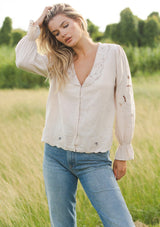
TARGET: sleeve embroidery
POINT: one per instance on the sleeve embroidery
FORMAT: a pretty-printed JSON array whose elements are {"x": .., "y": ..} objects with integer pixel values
[{"x": 125, "y": 109}]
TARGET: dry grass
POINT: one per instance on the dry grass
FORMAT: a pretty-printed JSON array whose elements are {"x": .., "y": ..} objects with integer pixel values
[{"x": 22, "y": 195}]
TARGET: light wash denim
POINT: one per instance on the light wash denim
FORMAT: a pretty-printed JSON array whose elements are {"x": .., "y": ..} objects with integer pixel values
[{"x": 63, "y": 168}]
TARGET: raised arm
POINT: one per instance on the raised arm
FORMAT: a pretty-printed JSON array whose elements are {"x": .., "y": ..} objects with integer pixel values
[{"x": 27, "y": 56}]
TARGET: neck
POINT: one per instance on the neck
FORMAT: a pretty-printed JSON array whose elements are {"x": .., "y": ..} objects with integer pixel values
[{"x": 84, "y": 47}]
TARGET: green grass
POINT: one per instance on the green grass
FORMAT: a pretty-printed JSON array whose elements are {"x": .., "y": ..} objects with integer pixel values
[
  {"x": 7, "y": 55},
  {"x": 22, "y": 195}
]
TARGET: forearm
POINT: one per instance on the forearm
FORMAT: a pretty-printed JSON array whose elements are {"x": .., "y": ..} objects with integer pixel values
[{"x": 40, "y": 20}]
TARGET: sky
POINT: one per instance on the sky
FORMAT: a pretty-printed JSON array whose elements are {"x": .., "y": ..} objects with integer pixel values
[{"x": 100, "y": 12}]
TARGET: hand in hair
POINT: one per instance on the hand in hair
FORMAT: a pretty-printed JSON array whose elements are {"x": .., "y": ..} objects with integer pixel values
[{"x": 40, "y": 20}]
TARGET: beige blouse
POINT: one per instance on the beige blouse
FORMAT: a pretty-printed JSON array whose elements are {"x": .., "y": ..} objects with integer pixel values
[{"x": 81, "y": 118}]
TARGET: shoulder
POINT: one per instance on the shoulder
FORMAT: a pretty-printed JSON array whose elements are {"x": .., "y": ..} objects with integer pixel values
[
  {"x": 111, "y": 48},
  {"x": 111, "y": 51}
]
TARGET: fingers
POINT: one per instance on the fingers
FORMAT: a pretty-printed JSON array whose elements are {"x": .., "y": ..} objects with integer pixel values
[
  {"x": 119, "y": 169},
  {"x": 40, "y": 20},
  {"x": 120, "y": 174},
  {"x": 45, "y": 12},
  {"x": 47, "y": 8}
]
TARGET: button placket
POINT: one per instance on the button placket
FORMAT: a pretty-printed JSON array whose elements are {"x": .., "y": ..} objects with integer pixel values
[{"x": 78, "y": 118}]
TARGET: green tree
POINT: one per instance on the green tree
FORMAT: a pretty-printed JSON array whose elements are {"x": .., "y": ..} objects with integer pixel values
[
  {"x": 5, "y": 32},
  {"x": 133, "y": 31},
  {"x": 128, "y": 28},
  {"x": 16, "y": 35},
  {"x": 112, "y": 32},
  {"x": 151, "y": 32},
  {"x": 155, "y": 15},
  {"x": 108, "y": 31},
  {"x": 93, "y": 31},
  {"x": 141, "y": 33}
]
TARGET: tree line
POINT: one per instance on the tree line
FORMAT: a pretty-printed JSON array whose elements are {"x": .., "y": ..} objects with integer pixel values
[
  {"x": 131, "y": 30},
  {"x": 134, "y": 31},
  {"x": 9, "y": 36},
  {"x": 140, "y": 39}
]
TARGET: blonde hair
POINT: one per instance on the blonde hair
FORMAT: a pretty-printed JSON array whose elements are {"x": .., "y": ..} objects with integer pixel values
[{"x": 59, "y": 56}]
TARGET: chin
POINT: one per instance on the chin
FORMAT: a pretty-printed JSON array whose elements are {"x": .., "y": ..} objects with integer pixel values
[{"x": 71, "y": 44}]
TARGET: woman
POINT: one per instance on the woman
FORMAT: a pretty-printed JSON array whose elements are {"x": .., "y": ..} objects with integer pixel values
[{"x": 89, "y": 82}]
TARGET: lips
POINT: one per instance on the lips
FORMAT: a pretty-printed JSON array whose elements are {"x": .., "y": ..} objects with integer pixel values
[{"x": 68, "y": 39}]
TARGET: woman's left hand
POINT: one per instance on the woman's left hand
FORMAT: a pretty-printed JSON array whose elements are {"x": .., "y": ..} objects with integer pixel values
[{"x": 119, "y": 168}]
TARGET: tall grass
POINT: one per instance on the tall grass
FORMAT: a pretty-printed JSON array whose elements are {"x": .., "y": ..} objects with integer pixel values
[
  {"x": 22, "y": 195},
  {"x": 143, "y": 60}
]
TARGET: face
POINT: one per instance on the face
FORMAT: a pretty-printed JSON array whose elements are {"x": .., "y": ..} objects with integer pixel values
[{"x": 65, "y": 30}]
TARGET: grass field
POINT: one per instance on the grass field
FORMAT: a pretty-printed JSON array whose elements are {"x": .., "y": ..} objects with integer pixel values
[{"x": 22, "y": 196}]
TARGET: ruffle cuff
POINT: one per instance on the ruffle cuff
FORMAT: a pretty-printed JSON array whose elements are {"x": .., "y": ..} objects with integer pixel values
[
  {"x": 124, "y": 152},
  {"x": 33, "y": 31}
]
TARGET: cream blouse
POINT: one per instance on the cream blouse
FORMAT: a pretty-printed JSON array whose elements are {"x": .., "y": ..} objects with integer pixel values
[{"x": 81, "y": 118}]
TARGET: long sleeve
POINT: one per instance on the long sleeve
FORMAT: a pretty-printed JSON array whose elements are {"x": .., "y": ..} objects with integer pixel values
[
  {"x": 125, "y": 108},
  {"x": 27, "y": 57}
]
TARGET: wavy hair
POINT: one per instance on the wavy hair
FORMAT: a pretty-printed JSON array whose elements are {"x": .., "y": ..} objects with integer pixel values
[{"x": 60, "y": 57}]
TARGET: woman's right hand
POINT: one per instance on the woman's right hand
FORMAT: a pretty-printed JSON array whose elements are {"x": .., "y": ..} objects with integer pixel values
[{"x": 40, "y": 20}]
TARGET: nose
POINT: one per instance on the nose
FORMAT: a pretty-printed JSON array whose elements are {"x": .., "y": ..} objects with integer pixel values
[{"x": 63, "y": 34}]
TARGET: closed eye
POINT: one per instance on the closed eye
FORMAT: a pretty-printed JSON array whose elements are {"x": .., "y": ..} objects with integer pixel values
[
  {"x": 66, "y": 25},
  {"x": 56, "y": 33}
]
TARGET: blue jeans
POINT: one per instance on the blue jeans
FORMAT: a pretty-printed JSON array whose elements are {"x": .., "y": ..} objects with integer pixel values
[{"x": 63, "y": 168}]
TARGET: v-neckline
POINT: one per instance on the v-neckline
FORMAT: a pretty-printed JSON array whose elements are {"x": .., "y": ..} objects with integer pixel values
[{"x": 93, "y": 66}]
